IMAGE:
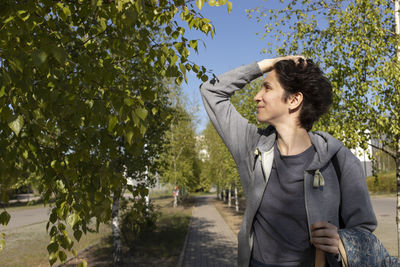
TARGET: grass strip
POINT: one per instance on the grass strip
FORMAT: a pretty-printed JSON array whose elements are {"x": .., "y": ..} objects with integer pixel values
[
  {"x": 27, "y": 245},
  {"x": 160, "y": 248}
]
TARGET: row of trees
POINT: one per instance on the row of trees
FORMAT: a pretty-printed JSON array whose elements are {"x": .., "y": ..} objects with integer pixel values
[{"x": 220, "y": 166}]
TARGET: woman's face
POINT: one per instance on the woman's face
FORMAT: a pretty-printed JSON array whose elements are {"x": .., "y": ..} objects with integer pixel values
[{"x": 271, "y": 105}]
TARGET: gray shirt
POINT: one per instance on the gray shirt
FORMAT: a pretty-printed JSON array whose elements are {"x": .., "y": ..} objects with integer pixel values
[{"x": 280, "y": 224}]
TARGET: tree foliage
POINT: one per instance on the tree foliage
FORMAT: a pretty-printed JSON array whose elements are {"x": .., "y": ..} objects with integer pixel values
[
  {"x": 243, "y": 100},
  {"x": 79, "y": 82},
  {"x": 220, "y": 166},
  {"x": 180, "y": 162},
  {"x": 355, "y": 44}
]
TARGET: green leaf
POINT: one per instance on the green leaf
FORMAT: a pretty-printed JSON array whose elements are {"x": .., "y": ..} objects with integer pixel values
[
  {"x": 78, "y": 235},
  {"x": 16, "y": 64},
  {"x": 73, "y": 219},
  {"x": 82, "y": 264},
  {"x": 112, "y": 122},
  {"x": 53, "y": 258},
  {"x": 193, "y": 44},
  {"x": 59, "y": 54},
  {"x": 52, "y": 247},
  {"x": 229, "y": 7},
  {"x": 175, "y": 35},
  {"x": 174, "y": 59},
  {"x": 61, "y": 227},
  {"x": 129, "y": 101},
  {"x": 195, "y": 68},
  {"x": 53, "y": 230},
  {"x": 129, "y": 137},
  {"x": 199, "y": 4},
  {"x": 62, "y": 256},
  {"x": 4, "y": 218},
  {"x": 204, "y": 78},
  {"x": 103, "y": 25},
  {"x": 2, "y": 91},
  {"x": 8, "y": 19},
  {"x": 142, "y": 113},
  {"x": 182, "y": 68},
  {"x": 212, "y": 2},
  {"x": 168, "y": 30},
  {"x": 53, "y": 164},
  {"x": 53, "y": 216},
  {"x": 23, "y": 14},
  {"x": 17, "y": 124},
  {"x": 39, "y": 57}
]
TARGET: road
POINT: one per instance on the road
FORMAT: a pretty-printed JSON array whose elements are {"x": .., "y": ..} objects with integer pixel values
[
  {"x": 385, "y": 211},
  {"x": 24, "y": 217}
]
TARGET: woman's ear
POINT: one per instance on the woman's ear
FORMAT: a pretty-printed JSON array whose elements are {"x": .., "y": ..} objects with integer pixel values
[{"x": 295, "y": 101}]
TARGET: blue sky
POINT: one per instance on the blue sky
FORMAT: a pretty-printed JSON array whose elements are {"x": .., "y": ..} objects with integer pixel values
[{"x": 235, "y": 43}]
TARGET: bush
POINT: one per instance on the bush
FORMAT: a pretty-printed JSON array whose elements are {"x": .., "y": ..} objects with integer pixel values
[
  {"x": 386, "y": 183},
  {"x": 137, "y": 221}
]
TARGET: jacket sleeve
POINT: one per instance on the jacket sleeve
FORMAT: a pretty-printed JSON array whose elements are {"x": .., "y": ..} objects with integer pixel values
[
  {"x": 356, "y": 206},
  {"x": 236, "y": 132}
]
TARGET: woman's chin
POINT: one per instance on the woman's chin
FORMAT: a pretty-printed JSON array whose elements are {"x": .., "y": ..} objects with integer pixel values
[{"x": 261, "y": 120}]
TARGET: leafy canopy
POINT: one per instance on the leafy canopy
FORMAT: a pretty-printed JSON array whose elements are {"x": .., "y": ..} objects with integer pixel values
[{"x": 79, "y": 84}]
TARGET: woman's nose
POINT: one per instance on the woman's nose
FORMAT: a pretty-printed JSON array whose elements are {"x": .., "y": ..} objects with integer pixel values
[{"x": 257, "y": 97}]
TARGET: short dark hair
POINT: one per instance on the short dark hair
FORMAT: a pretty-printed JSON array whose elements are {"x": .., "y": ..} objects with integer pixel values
[{"x": 305, "y": 77}]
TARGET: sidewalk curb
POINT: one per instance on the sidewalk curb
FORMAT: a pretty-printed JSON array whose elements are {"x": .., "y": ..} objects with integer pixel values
[{"x": 182, "y": 255}]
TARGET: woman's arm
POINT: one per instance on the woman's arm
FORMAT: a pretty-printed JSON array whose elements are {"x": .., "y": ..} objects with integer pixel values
[
  {"x": 236, "y": 132},
  {"x": 356, "y": 206}
]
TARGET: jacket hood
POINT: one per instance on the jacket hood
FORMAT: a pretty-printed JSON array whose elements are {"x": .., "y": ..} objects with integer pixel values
[{"x": 326, "y": 146}]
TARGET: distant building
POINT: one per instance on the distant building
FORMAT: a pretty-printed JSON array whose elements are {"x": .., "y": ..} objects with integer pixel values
[{"x": 365, "y": 158}]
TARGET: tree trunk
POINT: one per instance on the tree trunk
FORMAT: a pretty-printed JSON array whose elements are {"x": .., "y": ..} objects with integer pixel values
[
  {"x": 398, "y": 197},
  {"x": 223, "y": 194},
  {"x": 147, "y": 197},
  {"x": 236, "y": 199},
  {"x": 397, "y": 22},
  {"x": 175, "y": 199},
  {"x": 116, "y": 231},
  {"x": 218, "y": 193},
  {"x": 230, "y": 196}
]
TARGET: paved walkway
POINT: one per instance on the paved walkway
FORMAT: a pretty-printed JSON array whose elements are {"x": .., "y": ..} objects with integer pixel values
[
  {"x": 210, "y": 240},
  {"x": 26, "y": 217}
]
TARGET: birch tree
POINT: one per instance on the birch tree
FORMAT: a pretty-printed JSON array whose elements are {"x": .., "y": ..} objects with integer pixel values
[{"x": 75, "y": 78}]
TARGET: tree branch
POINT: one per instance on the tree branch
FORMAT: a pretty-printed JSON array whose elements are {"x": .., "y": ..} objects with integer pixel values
[{"x": 390, "y": 153}]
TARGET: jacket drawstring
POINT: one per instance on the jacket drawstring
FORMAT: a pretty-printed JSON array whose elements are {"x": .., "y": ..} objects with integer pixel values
[{"x": 318, "y": 179}]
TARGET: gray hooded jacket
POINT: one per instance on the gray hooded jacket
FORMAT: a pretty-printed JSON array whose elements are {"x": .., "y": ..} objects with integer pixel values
[{"x": 327, "y": 198}]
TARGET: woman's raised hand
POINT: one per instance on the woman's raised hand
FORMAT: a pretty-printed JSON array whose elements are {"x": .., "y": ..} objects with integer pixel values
[{"x": 266, "y": 65}]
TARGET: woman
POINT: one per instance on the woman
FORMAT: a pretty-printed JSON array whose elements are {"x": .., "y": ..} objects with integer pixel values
[{"x": 300, "y": 186}]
